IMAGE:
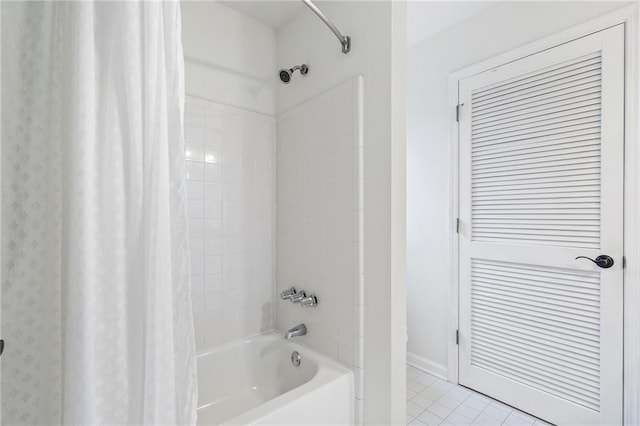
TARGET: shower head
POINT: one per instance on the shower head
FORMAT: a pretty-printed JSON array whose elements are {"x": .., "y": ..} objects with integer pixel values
[{"x": 285, "y": 74}]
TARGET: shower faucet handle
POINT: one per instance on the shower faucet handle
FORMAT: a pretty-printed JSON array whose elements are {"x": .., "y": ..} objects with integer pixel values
[
  {"x": 309, "y": 301},
  {"x": 288, "y": 293},
  {"x": 297, "y": 298}
]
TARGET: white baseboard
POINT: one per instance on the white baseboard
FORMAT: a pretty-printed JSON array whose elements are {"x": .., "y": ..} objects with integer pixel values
[{"x": 426, "y": 365}]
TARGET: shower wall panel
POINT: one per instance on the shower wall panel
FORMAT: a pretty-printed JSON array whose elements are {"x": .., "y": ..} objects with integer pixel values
[{"x": 319, "y": 223}]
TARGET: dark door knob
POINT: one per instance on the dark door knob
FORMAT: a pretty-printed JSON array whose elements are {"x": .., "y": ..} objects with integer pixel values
[{"x": 602, "y": 261}]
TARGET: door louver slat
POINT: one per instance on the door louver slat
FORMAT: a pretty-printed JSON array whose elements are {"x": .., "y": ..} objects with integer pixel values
[
  {"x": 534, "y": 76},
  {"x": 553, "y": 341},
  {"x": 531, "y": 160},
  {"x": 557, "y": 101},
  {"x": 507, "y": 306}
]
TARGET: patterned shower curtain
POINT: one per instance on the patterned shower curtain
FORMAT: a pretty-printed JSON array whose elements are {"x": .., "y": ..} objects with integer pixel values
[{"x": 96, "y": 307}]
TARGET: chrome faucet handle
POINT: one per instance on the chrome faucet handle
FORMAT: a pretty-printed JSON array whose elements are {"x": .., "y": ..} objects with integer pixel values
[
  {"x": 309, "y": 301},
  {"x": 297, "y": 298},
  {"x": 288, "y": 293}
]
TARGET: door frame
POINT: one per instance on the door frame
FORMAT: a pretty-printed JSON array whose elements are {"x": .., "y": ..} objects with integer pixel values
[{"x": 630, "y": 16}]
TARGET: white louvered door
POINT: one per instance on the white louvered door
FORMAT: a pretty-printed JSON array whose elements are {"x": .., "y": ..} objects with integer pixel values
[{"x": 541, "y": 181}]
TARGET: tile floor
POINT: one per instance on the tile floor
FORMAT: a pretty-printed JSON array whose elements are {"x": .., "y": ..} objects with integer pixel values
[{"x": 431, "y": 401}]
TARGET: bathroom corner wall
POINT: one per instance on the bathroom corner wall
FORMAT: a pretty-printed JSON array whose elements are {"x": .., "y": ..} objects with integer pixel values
[{"x": 230, "y": 62}]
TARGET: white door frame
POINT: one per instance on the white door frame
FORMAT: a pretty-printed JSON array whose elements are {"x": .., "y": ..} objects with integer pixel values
[{"x": 630, "y": 16}]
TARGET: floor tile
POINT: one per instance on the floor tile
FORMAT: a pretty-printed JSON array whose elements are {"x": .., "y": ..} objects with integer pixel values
[
  {"x": 458, "y": 419},
  {"x": 441, "y": 385},
  {"x": 514, "y": 420},
  {"x": 459, "y": 393},
  {"x": 415, "y": 386},
  {"x": 433, "y": 401},
  {"x": 429, "y": 418},
  {"x": 412, "y": 373},
  {"x": 486, "y": 420},
  {"x": 467, "y": 411},
  {"x": 478, "y": 402},
  {"x": 434, "y": 394},
  {"x": 448, "y": 401},
  {"x": 423, "y": 401},
  {"x": 524, "y": 416},
  {"x": 440, "y": 410},
  {"x": 426, "y": 379},
  {"x": 414, "y": 409},
  {"x": 498, "y": 411}
]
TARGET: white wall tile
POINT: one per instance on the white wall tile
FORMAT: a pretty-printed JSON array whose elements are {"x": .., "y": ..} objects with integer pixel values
[
  {"x": 195, "y": 151},
  {"x": 213, "y": 172},
  {"x": 197, "y": 285},
  {"x": 195, "y": 190},
  {"x": 213, "y": 209},
  {"x": 213, "y": 154},
  {"x": 213, "y": 228},
  {"x": 195, "y": 170},
  {"x": 213, "y": 282},
  {"x": 197, "y": 247},
  {"x": 198, "y": 305},
  {"x": 213, "y": 192},
  {"x": 230, "y": 220},
  {"x": 193, "y": 132},
  {"x": 197, "y": 266},
  {"x": 319, "y": 223},
  {"x": 195, "y": 209}
]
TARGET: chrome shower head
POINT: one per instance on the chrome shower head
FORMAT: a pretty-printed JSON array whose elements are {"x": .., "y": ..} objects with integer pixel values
[{"x": 285, "y": 74}]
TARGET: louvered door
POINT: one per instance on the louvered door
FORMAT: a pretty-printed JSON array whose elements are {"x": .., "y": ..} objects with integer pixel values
[{"x": 541, "y": 162}]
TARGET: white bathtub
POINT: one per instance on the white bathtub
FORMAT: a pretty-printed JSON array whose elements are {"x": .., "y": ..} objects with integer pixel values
[{"x": 253, "y": 382}]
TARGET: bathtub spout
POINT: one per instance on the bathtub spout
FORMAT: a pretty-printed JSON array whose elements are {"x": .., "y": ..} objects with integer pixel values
[{"x": 298, "y": 330}]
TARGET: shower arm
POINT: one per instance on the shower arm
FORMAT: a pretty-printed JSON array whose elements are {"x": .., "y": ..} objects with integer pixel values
[{"x": 345, "y": 41}]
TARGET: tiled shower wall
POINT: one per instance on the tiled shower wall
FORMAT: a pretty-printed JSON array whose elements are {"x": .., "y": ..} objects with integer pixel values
[
  {"x": 319, "y": 224},
  {"x": 230, "y": 202}
]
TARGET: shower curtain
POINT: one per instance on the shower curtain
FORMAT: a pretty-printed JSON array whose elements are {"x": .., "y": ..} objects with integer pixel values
[{"x": 96, "y": 305}]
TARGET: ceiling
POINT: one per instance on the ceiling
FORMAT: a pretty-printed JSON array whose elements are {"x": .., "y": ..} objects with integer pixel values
[
  {"x": 274, "y": 13},
  {"x": 427, "y": 18},
  {"x": 424, "y": 18}
]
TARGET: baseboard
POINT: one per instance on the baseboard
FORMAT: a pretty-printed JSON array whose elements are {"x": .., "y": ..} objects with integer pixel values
[{"x": 426, "y": 365}]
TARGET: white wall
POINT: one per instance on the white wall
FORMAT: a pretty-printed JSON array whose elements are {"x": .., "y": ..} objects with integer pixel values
[
  {"x": 495, "y": 30},
  {"x": 229, "y": 58},
  {"x": 306, "y": 40}
]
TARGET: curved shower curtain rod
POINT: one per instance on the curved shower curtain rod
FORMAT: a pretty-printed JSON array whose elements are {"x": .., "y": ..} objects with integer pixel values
[{"x": 344, "y": 40}]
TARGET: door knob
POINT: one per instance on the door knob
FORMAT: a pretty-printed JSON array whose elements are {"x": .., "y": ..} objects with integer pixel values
[{"x": 602, "y": 261}]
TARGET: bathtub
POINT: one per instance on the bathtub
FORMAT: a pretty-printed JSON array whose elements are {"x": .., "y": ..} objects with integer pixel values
[{"x": 253, "y": 382}]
